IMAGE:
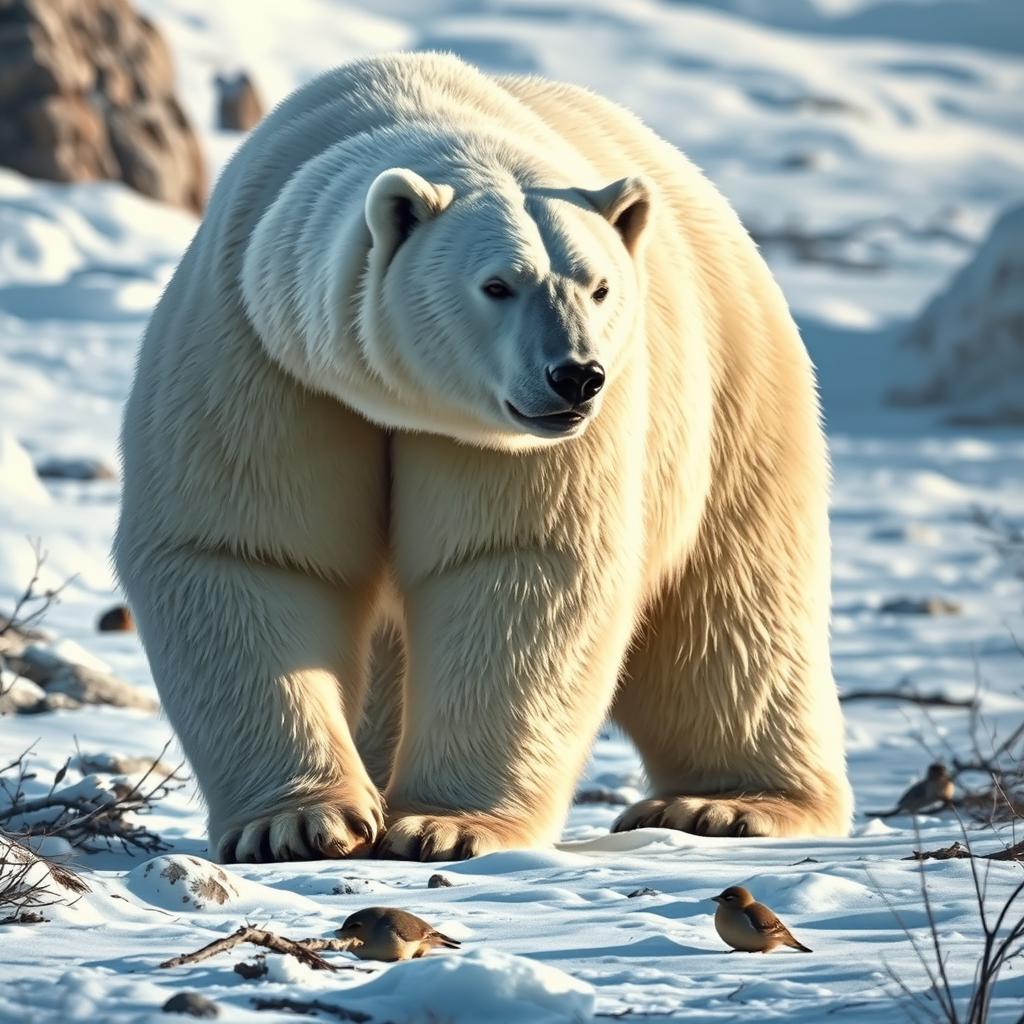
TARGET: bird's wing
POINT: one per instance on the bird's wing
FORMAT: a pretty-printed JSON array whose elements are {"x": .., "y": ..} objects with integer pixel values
[
  {"x": 913, "y": 796},
  {"x": 764, "y": 921},
  {"x": 409, "y": 927}
]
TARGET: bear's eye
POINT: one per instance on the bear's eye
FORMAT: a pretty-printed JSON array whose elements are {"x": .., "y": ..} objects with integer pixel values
[
  {"x": 497, "y": 289},
  {"x": 601, "y": 292}
]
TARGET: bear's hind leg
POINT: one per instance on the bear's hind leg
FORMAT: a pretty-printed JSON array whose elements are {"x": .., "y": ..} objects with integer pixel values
[
  {"x": 261, "y": 678},
  {"x": 740, "y": 735}
]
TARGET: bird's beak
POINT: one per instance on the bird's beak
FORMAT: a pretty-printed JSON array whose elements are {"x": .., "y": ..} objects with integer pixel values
[{"x": 716, "y": 899}]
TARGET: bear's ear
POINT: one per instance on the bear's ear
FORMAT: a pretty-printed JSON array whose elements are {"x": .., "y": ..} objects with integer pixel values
[
  {"x": 397, "y": 201},
  {"x": 626, "y": 205}
]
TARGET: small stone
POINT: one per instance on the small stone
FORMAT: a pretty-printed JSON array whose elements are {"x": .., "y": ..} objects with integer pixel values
[
  {"x": 920, "y": 606},
  {"x": 601, "y": 795},
  {"x": 74, "y": 469},
  {"x": 439, "y": 882},
  {"x": 116, "y": 620},
  {"x": 239, "y": 106},
  {"x": 252, "y": 970},
  {"x": 192, "y": 1004}
]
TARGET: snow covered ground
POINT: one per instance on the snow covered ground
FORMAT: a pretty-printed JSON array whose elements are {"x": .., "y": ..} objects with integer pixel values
[{"x": 870, "y": 160}]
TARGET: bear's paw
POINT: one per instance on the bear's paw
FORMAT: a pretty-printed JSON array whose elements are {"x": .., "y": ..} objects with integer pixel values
[
  {"x": 728, "y": 815},
  {"x": 309, "y": 830},
  {"x": 436, "y": 837}
]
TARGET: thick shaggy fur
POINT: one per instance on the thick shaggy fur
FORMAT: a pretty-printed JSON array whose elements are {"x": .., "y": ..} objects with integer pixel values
[{"x": 318, "y": 442}]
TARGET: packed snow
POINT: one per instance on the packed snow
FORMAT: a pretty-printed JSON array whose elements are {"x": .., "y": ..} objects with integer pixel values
[{"x": 870, "y": 146}]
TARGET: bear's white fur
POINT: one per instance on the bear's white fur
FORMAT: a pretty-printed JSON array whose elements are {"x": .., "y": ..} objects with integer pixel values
[{"x": 335, "y": 423}]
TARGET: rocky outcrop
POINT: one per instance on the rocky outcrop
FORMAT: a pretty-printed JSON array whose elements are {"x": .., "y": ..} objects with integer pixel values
[{"x": 87, "y": 93}]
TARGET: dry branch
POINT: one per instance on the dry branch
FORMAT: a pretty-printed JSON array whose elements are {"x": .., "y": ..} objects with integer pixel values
[
  {"x": 30, "y": 882},
  {"x": 1003, "y": 939},
  {"x": 958, "y": 851},
  {"x": 307, "y": 951},
  {"x": 90, "y": 817},
  {"x": 928, "y": 700}
]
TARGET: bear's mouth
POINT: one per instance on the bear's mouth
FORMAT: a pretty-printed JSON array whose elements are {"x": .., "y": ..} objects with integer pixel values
[{"x": 552, "y": 424}]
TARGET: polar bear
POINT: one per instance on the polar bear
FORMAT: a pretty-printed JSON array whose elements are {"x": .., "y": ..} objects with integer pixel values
[{"x": 485, "y": 362}]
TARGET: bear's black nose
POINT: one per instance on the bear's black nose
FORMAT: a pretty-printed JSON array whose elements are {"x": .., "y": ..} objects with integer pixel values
[{"x": 576, "y": 382}]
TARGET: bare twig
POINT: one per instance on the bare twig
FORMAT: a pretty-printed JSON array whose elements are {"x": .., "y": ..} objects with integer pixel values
[
  {"x": 930, "y": 700},
  {"x": 32, "y": 604},
  {"x": 29, "y": 882},
  {"x": 87, "y": 820},
  {"x": 305, "y": 950}
]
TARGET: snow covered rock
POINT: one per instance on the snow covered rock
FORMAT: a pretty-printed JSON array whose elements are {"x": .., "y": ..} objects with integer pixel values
[
  {"x": 180, "y": 882},
  {"x": 31, "y": 883},
  {"x": 84, "y": 684},
  {"x": 18, "y": 694},
  {"x": 18, "y": 479},
  {"x": 969, "y": 341},
  {"x": 177, "y": 882}
]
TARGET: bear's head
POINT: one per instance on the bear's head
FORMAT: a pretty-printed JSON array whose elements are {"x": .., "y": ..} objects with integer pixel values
[{"x": 505, "y": 310}]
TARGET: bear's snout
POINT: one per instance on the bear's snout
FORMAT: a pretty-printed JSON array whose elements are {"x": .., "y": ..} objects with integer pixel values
[{"x": 576, "y": 382}]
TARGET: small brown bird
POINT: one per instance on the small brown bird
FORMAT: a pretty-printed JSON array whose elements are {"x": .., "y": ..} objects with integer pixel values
[
  {"x": 934, "y": 790},
  {"x": 383, "y": 933},
  {"x": 750, "y": 927}
]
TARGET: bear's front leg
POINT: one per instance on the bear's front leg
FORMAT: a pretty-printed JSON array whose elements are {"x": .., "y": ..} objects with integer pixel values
[
  {"x": 513, "y": 658},
  {"x": 260, "y": 677},
  {"x": 518, "y": 614}
]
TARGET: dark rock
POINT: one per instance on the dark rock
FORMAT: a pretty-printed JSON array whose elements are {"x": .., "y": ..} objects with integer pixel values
[
  {"x": 601, "y": 795},
  {"x": 642, "y": 892},
  {"x": 74, "y": 469},
  {"x": 439, "y": 882},
  {"x": 116, "y": 620},
  {"x": 920, "y": 606},
  {"x": 192, "y": 1004},
  {"x": 239, "y": 107},
  {"x": 252, "y": 970},
  {"x": 87, "y": 91}
]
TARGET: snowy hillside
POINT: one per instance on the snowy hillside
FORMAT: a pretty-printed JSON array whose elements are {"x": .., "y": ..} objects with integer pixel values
[
  {"x": 870, "y": 146},
  {"x": 968, "y": 344}
]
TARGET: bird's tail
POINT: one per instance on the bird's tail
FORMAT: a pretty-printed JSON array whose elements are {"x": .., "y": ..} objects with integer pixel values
[
  {"x": 794, "y": 944},
  {"x": 440, "y": 939}
]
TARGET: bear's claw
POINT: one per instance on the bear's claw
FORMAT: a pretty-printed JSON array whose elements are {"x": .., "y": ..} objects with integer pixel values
[
  {"x": 710, "y": 816},
  {"x": 437, "y": 837},
  {"x": 310, "y": 831}
]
